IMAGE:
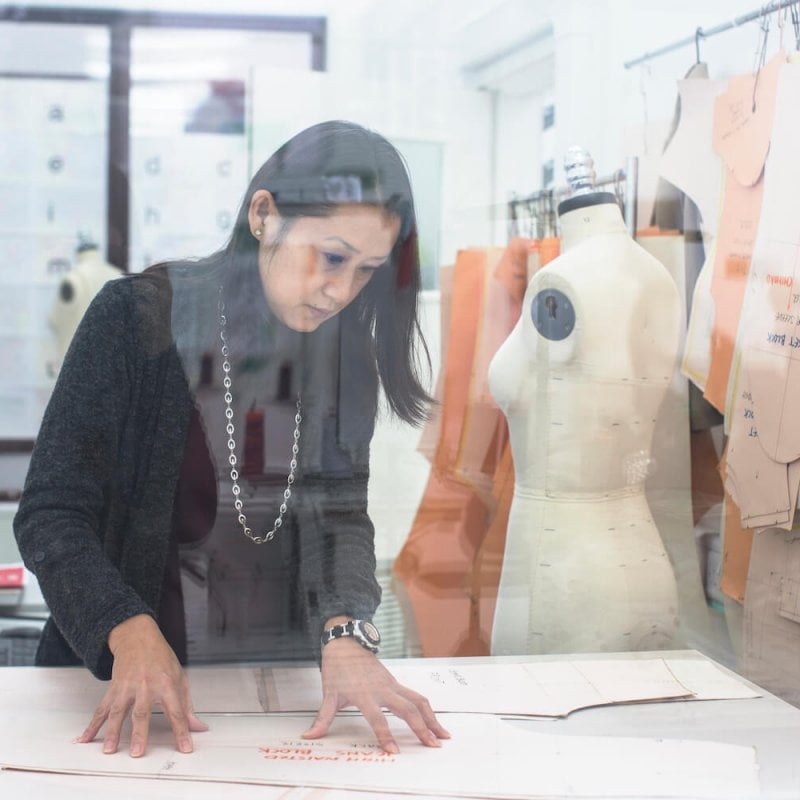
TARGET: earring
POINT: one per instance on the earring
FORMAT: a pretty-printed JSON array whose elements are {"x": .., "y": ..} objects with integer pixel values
[{"x": 257, "y": 233}]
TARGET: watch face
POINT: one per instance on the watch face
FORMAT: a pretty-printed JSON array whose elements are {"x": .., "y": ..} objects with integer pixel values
[{"x": 370, "y": 632}]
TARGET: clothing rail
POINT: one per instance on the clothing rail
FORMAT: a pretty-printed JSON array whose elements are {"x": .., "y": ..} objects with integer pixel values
[
  {"x": 705, "y": 33},
  {"x": 629, "y": 176}
]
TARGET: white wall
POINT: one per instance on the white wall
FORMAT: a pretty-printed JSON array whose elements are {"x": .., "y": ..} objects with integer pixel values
[
  {"x": 519, "y": 154},
  {"x": 395, "y": 69},
  {"x": 611, "y": 110}
]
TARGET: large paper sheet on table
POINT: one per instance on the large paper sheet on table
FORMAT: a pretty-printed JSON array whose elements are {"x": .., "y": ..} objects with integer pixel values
[
  {"x": 546, "y": 689},
  {"x": 487, "y": 757},
  {"x": 77, "y": 786},
  {"x": 18, "y": 783},
  {"x": 234, "y": 689},
  {"x": 534, "y": 688}
]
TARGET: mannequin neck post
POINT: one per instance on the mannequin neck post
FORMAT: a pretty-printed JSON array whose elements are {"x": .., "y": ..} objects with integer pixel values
[{"x": 589, "y": 215}]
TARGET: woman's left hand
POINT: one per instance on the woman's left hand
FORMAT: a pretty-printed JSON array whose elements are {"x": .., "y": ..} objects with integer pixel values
[{"x": 352, "y": 676}]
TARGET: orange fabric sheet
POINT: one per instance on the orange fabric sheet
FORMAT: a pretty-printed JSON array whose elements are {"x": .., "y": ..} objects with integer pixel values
[
  {"x": 737, "y": 544},
  {"x": 441, "y": 584}
]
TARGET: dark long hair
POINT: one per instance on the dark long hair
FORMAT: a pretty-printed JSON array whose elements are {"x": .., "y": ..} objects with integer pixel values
[{"x": 319, "y": 169}]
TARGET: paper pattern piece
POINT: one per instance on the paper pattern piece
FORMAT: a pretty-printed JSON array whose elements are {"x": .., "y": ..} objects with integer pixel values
[
  {"x": 534, "y": 688},
  {"x": 542, "y": 688},
  {"x": 771, "y": 637},
  {"x": 689, "y": 161},
  {"x": 742, "y": 128},
  {"x": 765, "y": 384},
  {"x": 696, "y": 361},
  {"x": 73, "y": 689},
  {"x": 486, "y": 757}
]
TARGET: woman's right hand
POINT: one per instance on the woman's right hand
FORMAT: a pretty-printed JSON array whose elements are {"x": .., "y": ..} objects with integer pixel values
[{"x": 145, "y": 672}]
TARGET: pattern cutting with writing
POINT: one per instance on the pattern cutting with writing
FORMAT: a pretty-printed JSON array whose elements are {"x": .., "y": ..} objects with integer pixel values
[{"x": 362, "y": 754}]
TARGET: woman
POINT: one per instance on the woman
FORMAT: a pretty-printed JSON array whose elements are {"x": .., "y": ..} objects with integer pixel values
[{"x": 138, "y": 473}]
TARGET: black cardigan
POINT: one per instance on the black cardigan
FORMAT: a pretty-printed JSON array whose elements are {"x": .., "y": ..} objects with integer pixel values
[{"x": 95, "y": 515}]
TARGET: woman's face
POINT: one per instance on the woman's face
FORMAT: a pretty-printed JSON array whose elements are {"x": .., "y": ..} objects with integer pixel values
[{"x": 322, "y": 263}]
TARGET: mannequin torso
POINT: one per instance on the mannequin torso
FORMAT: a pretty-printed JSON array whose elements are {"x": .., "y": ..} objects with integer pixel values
[
  {"x": 76, "y": 291},
  {"x": 580, "y": 379}
]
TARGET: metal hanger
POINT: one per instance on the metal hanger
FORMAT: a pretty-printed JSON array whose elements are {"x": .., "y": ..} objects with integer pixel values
[{"x": 761, "y": 50}]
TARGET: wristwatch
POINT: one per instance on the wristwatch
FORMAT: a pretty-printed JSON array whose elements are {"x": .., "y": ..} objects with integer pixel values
[{"x": 363, "y": 631}]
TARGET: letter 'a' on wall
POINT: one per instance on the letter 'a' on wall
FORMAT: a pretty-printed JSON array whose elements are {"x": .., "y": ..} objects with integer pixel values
[{"x": 52, "y": 193}]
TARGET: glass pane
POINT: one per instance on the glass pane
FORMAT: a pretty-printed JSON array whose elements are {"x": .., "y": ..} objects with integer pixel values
[{"x": 605, "y": 243}]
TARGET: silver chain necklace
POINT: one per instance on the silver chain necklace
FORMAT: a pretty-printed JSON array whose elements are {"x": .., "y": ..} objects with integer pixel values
[{"x": 228, "y": 397}]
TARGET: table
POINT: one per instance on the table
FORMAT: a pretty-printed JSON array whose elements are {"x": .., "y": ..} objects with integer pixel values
[{"x": 766, "y": 723}]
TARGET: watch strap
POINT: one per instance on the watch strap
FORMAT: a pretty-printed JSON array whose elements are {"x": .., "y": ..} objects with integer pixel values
[{"x": 353, "y": 629}]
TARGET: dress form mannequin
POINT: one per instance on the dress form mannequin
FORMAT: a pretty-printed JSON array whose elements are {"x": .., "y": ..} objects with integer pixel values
[
  {"x": 580, "y": 380},
  {"x": 76, "y": 291}
]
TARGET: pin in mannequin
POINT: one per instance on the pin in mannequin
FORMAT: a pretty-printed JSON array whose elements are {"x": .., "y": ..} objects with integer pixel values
[
  {"x": 580, "y": 380},
  {"x": 76, "y": 290}
]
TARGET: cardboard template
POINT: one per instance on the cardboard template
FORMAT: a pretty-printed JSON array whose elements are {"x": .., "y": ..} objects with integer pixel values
[{"x": 486, "y": 758}]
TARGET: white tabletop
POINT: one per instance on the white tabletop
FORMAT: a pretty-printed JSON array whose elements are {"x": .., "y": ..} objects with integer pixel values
[{"x": 765, "y": 725}]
